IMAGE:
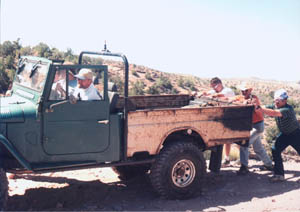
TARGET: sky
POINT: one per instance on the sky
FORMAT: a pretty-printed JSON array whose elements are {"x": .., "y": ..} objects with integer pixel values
[{"x": 204, "y": 38}]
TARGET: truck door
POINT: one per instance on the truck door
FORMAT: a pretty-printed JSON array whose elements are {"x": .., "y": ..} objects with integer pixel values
[{"x": 75, "y": 128}]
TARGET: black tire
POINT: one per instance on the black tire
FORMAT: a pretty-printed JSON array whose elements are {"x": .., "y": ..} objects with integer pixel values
[
  {"x": 129, "y": 172},
  {"x": 178, "y": 171},
  {"x": 3, "y": 189}
]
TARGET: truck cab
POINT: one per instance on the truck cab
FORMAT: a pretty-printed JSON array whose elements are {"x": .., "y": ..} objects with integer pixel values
[{"x": 42, "y": 129}]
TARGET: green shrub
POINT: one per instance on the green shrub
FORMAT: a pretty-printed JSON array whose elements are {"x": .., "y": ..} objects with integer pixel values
[
  {"x": 153, "y": 89},
  {"x": 270, "y": 133},
  {"x": 174, "y": 91},
  {"x": 295, "y": 104},
  {"x": 235, "y": 90},
  {"x": 180, "y": 82},
  {"x": 164, "y": 84},
  {"x": 188, "y": 83},
  {"x": 119, "y": 83},
  {"x": 134, "y": 73},
  {"x": 148, "y": 76},
  {"x": 137, "y": 88}
]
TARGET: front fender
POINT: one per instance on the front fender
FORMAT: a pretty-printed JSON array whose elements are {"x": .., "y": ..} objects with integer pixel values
[{"x": 14, "y": 152}]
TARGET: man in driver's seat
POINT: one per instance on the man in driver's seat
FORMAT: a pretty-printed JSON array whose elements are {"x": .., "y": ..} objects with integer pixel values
[{"x": 85, "y": 89}]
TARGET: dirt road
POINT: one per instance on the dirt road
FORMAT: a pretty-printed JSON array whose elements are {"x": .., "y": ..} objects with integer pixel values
[{"x": 100, "y": 189}]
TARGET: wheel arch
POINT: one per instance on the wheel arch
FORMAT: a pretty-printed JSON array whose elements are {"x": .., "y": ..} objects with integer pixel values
[{"x": 182, "y": 133}]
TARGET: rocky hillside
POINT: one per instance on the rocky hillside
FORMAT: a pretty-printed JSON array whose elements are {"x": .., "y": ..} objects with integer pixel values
[{"x": 144, "y": 80}]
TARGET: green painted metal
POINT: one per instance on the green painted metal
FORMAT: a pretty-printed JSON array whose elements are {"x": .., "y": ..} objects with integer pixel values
[
  {"x": 69, "y": 135},
  {"x": 16, "y": 109},
  {"x": 14, "y": 152}
]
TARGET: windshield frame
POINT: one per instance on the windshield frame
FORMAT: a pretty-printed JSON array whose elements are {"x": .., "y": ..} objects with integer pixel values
[
  {"x": 30, "y": 80},
  {"x": 27, "y": 91}
]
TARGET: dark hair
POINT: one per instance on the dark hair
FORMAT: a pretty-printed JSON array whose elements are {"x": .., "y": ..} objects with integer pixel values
[{"x": 215, "y": 80}]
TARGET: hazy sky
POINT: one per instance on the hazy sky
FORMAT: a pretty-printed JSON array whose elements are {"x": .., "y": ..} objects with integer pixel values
[{"x": 205, "y": 38}]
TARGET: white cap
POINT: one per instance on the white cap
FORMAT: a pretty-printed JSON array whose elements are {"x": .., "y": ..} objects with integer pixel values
[
  {"x": 85, "y": 74},
  {"x": 281, "y": 94},
  {"x": 244, "y": 86}
]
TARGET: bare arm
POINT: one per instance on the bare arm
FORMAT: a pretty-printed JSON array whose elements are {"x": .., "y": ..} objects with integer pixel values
[{"x": 271, "y": 112}]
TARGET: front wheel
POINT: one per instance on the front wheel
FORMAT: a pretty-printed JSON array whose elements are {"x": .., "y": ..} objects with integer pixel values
[
  {"x": 178, "y": 171},
  {"x": 3, "y": 189}
]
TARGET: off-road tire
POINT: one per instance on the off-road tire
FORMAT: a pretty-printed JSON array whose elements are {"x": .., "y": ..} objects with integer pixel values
[
  {"x": 129, "y": 172},
  {"x": 3, "y": 189},
  {"x": 178, "y": 171}
]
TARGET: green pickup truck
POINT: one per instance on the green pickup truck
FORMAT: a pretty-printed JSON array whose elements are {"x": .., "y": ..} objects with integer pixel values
[{"x": 41, "y": 132}]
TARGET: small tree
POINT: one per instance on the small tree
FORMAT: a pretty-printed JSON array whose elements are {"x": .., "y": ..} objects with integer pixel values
[{"x": 43, "y": 50}]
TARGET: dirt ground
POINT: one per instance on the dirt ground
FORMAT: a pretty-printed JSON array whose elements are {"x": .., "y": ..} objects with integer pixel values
[{"x": 101, "y": 190}]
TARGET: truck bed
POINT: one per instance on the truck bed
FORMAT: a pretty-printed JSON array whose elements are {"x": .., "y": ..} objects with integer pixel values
[{"x": 148, "y": 128}]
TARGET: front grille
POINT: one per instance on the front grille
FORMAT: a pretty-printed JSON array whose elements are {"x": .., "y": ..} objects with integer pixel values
[{"x": 4, "y": 114}]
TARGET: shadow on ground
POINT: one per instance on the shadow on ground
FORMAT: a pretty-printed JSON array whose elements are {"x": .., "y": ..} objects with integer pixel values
[{"x": 223, "y": 189}]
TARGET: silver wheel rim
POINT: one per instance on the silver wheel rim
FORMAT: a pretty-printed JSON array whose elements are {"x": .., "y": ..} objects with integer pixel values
[{"x": 183, "y": 173}]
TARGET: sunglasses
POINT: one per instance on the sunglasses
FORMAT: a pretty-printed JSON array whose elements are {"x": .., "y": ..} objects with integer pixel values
[{"x": 215, "y": 86}]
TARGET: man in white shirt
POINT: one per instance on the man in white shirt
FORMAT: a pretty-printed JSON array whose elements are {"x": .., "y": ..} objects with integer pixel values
[
  {"x": 221, "y": 92},
  {"x": 85, "y": 89}
]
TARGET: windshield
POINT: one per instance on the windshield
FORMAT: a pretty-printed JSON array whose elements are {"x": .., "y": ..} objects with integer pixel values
[{"x": 32, "y": 75}]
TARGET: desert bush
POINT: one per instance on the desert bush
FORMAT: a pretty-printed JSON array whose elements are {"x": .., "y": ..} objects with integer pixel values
[
  {"x": 180, "y": 82},
  {"x": 270, "y": 133},
  {"x": 265, "y": 99},
  {"x": 164, "y": 83},
  {"x": 188, "y": 83},
  {"x": 174, "y": 91},
  {"x": 235, "y": 90},
  {"x": 119, "y": 83},
  {"x": 134, "y": 73},
  {"x": 295, "y": 104},
  {"x": 148, "y": 76},
  {"x": 137, "y": 88},
  {"x": 153, "y": 89}
]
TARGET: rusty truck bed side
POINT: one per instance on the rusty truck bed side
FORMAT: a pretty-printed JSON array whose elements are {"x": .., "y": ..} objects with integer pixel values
[{"x": 147, "y": 129}]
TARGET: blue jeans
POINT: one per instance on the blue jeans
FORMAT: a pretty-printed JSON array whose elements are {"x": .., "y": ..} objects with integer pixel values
[
  {"x": 255, "y": 141},
  {"x": 282, "y": 142}
]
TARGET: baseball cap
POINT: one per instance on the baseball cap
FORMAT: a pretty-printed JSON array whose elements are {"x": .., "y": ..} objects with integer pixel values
[
  {"x": 244, "y": 86},
  {"x": 280, "y": 94},
  {"x": 84, "y": 74}
]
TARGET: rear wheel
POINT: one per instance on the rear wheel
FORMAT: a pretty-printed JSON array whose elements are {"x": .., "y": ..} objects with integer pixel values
[
  {"x": 129, "y": 172},
  {"x": 3, "y": 189},
  {"x": 178, "y": 171}
]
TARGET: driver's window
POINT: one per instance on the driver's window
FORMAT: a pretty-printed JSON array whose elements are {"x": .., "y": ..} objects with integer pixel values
[
  {"x": 58, "y": 88},
  {"x": 89, "y": 85}
]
